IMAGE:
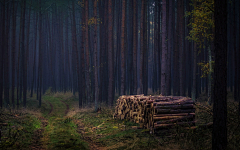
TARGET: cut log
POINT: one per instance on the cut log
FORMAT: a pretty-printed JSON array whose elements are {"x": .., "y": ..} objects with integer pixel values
[
  {"x": 154, "y": 110},
  {"x": 169, "y": 111},
  {"x": 174, "y": 124},
  {"x": 173, "y": 103},
  {"x": 180, "y": 114},
  {"x": 181, "y": 106},
  {"x": 179, "y": 119}
]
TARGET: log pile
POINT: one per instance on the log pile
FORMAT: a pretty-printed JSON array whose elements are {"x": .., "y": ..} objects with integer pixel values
[{"x": 154, "y": 112}]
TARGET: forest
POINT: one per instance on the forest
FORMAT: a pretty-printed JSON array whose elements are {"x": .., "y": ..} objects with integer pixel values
[{"x": 65, "y": 61}]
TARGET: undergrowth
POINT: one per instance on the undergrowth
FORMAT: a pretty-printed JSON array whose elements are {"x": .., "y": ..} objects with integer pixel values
[
  {"x": 17, "y": 129},
  {"x": 83, "y": 128}
]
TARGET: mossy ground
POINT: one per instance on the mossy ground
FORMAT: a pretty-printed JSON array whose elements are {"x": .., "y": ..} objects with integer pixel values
[{"x": 60, "y": 124}]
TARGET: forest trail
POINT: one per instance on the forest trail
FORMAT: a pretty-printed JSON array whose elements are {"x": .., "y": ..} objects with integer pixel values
[
  {"x": 39, "y": 136},
  {"x": 58, "y": 130}
]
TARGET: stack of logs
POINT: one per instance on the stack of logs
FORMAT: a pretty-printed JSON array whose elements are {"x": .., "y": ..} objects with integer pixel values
[{"x": 154, "y": 112}]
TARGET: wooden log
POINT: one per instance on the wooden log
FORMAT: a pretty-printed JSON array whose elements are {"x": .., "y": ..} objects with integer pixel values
[
  {"x": 169, "y": 111},
  {"x": 173, "y": 103},
  {"x": 180, "y": 114},
  {"x": 165, "y": 118},
  {"x": 181, "y": 106},
  {"x": 190, "y": 123},
  {"x": 179, "y": 119}
]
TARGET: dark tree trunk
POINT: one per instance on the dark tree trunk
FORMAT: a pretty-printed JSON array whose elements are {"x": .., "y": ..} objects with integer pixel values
[
  {"x": 164, "y": 50},
  {"x": 110, "y": 54},
  {"x": 87, "y": 75},
  {"x": 135, "y": 39},
  {"x": 123, "y": 48},
  {"x": 74, "y": 42},
  {"x": 13, "y": 51},
  {"x": 219, "y": 134},
  {"x": 34, "y": 57},
  {"x": 95, "y": 56},
  {"x": 6, "y": 56},
  {"x": 170, "y": 46},
  {"x": 2, "y": 50},
  {"x": 24, "y": 58},
  {"x": 83, "y": 56},
  {"x": 142, "y": 21},
  {"x": 181, "y": 51},
  {"x": 176, "y": 59},
  {"x": 40, "y": 57}
]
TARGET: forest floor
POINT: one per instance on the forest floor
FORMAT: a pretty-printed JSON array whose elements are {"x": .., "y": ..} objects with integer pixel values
[{"x": 60, "y": 125}]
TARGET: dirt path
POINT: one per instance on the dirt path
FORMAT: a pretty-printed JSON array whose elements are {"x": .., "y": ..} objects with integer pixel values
[
  {"x": 51, "y": 108},
  {"x": 92, "y": 145},
  {"x": 37, "y": 144},
  {"x": 67, "y": 107}
]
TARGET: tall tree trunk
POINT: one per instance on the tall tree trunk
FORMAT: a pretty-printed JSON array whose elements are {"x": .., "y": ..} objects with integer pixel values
[
  {"x": 6, "y": 56},
  {"x": 13, "y": 51},
  {"x": 194, "y": 88},
  {"x": 40, "y": 56},
  {"x": 95, "y": 56},
  {"x": 34, "y": 57},
  {"x": 2, "y": 51},
  {"x": 145, "y": 51},
  {"x": 181, "y": 51},
  {"x": 219, "y": 133},
  {"x": 210, "y": 76},
  {"x": 25, "y": 57},
  {"x": 142, "y": 21},
  {"x": 123, "y": 48},
  {"x": 135, "y": 39},
  {"x": 238, "y": 64},
  {"x": 87, "y": 75},
  {"x": 194, "y": 81},
  {"x": 164, "y": 49},
  {"x": 74, "y": 42},
  {"x": 82, "y": 61},
  {"x": 176, "y": 59},
  {"x": 110, "y": 54},
  {"x": 235, "y": 53},
  {"x": 170, "y": 46}
]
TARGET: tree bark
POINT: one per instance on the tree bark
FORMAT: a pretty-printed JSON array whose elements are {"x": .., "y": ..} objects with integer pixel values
[
  {"x": 123, "y": 48},
  {"x": 40, "y": 56},
  {"x": 164, "y": 50},
  {"x": 219, "y": 133},
  {"x": 6, "y": 56},
  {"x": 95, "y": 56},
  {"x": 87, "y": 67},
  {"x": 141, "y": 46},
  {"x": 181, "y": 51},
  {"x": 13, "y": 51},
  {"x": 2, "y": 50},
  {"x": 110, "y": 54},
  {"x": 74, "y": 42},
  {"x": 135, "y": 39}
]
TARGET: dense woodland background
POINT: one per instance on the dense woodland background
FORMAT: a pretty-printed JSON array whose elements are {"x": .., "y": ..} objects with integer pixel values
[{"x": 102, "y": 48}]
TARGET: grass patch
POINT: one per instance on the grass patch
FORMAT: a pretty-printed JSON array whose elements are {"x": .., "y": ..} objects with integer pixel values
[
  {"x": 114, "y": 134},
  {"x": 62, "y": 135},
  {"x": 120, "y": 134},
  {"x": 17, "y": 129}
]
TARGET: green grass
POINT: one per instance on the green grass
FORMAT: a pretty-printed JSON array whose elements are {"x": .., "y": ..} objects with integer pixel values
[
  {"x": 61, "y": 132},
  {"x": 17, "y": 129},
  {"x": 114, "y": 134},
  {"x": 62, "y": 135},
  {"x": 119, "y": 134},
  {"x": 84, "y": 128}
]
